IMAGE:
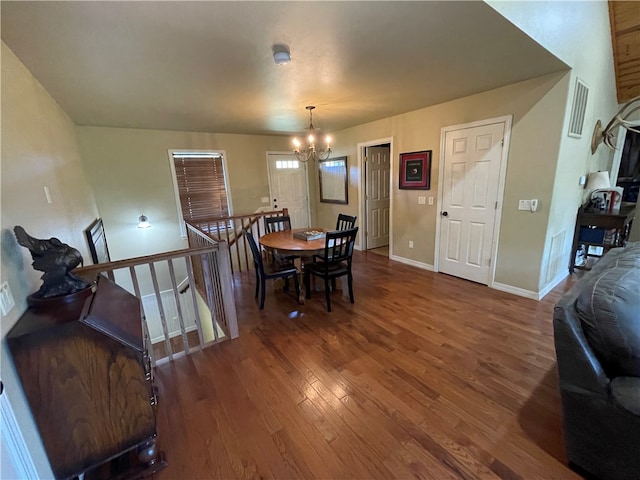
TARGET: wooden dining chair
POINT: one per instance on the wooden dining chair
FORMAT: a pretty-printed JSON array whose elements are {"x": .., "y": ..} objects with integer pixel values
[
  {"x": 270, "y": 270},
  {"x": 334, "y": 263},
  {"x": 345, "y": 222},
  {"x": 277, "y": 224}
]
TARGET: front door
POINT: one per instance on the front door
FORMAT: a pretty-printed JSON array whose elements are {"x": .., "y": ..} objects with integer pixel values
[
  {"x": 469, "y": 199},
  {"x": 289, "y": 187},
  {"x": 377, "y": 170}
]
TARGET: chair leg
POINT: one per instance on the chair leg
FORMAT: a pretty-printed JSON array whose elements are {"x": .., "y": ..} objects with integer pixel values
[
  {"x": 327, "y": 293},
  {"x": 262, "y": 285},
  {"x": 257, "y": 283},
  {"x": 297, "y": 286},
  {"x": 307, "y": 285},
  {"x": 350, "y": 281}
]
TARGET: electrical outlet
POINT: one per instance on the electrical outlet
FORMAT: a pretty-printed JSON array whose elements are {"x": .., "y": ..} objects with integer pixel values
[
  {"x": 6, "y": 299},
  {"x": 410, "y": 243},
  {"x": 430, "y": 200},
  {"x": 524, "y": 205},
  {"x": 422, "y": 200}
]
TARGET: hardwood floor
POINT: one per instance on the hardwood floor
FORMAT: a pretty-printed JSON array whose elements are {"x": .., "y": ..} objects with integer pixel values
[{"x": 425, "y": 376}]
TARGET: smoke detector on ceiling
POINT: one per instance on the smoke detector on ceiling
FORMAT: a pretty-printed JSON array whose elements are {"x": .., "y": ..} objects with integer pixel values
[{"x": 281, "y": 54}]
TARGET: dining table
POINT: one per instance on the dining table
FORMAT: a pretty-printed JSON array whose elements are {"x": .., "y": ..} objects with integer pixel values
[{"x": 285, "y": 243}]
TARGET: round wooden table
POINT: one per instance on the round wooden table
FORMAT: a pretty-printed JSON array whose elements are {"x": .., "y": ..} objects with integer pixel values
[{"x": 284, "y": 243}]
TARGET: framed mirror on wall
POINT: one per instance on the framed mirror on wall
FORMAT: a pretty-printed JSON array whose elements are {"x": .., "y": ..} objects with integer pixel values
[{"x": 334, "y": 180}]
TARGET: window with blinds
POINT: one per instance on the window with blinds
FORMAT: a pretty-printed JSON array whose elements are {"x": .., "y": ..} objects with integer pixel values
[{"x": 201, "y": 186}]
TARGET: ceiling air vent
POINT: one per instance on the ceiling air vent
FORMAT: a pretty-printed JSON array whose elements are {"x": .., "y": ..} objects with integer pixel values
[{"x": 578, "y": 109}]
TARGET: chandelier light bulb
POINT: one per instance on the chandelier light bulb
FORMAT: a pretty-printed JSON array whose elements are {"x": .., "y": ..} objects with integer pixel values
[{"x": 296, "y": 143}]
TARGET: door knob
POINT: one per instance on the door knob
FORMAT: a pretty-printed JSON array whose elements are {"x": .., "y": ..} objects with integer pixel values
[{"x": 445, "y": 214}]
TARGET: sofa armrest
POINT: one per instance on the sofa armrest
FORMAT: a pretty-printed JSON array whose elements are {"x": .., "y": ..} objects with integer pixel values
[
  {"x": 578, "y": 368},
  {"x": 625, "y": 392}
]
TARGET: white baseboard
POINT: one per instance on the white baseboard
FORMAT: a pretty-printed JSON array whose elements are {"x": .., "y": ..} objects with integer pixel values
[
  {"x": 521, "y": 292},
  {"x": 529, "y": 293},
  {"x": 413, "y": 263},
  {"x": 14, "y": 442},
  {"x": 173, "y": 334},
  {"x": 554, "y": 283}
]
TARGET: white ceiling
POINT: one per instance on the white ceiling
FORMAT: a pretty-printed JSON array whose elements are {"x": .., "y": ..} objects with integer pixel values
[{"x": 208, "y": 66}]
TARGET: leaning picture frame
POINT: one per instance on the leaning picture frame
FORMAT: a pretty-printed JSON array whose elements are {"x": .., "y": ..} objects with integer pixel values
[
  {"x": 415, "y": 170},
  {"x": 334, "y": 180}
]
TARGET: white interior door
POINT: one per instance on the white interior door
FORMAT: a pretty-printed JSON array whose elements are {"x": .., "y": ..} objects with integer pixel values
[
  {"x": 289, "y": 187},
  {"x": 469, "y": 200},
  {"x": 377, "y": 170}
]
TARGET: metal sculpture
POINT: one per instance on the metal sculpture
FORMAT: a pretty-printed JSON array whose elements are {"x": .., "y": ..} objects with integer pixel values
[{"x": 56, "y": 260}]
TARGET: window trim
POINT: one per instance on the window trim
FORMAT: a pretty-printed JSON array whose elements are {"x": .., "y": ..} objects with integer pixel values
[{"x": 174, "y": 180}]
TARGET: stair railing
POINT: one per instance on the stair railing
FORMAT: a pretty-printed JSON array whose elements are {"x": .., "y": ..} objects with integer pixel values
[
  {"x": 229, "y": 230},
  {"x": 180, "y": 320}
]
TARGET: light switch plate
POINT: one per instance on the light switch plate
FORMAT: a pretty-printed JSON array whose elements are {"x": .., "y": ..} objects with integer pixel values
[
  {"x": 524, "y": 205},
  {"x": 264, "y": 199},
  {"x": 422, "y": 200}
]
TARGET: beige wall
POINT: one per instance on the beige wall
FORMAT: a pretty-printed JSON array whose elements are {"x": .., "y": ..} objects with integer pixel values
[
  {"x": 584, "y": 43},
  {"x": 38, "y": 149},
  {"x": 537, "y": 107},
  {"x": 129, "y": 171},
  {"x": 544, "y": 163}
]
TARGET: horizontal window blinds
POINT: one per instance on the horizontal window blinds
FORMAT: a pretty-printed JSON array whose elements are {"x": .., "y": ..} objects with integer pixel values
[{"x": 201, "y": 187}]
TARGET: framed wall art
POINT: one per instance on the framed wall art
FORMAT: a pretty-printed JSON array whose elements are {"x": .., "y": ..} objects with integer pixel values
[{"x": 415, "y": 170}]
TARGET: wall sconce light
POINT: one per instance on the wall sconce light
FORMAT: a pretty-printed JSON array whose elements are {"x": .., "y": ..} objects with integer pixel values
[{"x": 143, "y": 221}]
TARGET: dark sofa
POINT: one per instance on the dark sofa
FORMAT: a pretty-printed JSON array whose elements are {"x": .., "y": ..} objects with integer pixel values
[{"x": 597, "y": 339}]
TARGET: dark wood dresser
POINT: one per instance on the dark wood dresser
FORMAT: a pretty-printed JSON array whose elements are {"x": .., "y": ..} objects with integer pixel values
[{"x": 84, "y": 368}]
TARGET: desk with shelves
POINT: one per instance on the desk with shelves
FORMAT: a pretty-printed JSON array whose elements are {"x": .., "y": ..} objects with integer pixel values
[{"x": 606, "y": 230}]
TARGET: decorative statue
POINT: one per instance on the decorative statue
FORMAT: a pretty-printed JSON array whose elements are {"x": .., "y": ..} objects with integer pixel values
[{"x": 56, "y": 260}]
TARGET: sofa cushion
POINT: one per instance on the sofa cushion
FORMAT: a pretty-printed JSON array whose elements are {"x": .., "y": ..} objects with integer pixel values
[
  {"x": 626, "y": 393},
  {"x": 609, "y": 310}
]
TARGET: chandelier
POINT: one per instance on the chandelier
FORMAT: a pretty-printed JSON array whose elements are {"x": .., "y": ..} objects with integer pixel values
[{"x": 312, "y": 150}]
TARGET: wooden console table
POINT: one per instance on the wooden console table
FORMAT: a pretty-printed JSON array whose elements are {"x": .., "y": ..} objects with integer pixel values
[
  {"x": 592, "y": 229},
  {"x": 84, "y": 368}
]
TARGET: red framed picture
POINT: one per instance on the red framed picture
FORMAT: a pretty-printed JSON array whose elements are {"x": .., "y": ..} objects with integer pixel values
[{"x": 415, "y": 170}]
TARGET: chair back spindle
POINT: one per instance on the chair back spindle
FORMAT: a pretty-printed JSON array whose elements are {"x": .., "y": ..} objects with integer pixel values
[
  {"x": 334, "y": 263},
  {"x": 277, "y": 224},
  {"x": 345, "y": 222}
]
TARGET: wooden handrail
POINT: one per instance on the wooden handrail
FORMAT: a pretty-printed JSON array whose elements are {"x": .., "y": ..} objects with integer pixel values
[
  {"x": 269, "y": 213},
  {"x": 132, "y": 262},
  {"x": 175, "y": 318},
  {"x": 234, "y": 223}
]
